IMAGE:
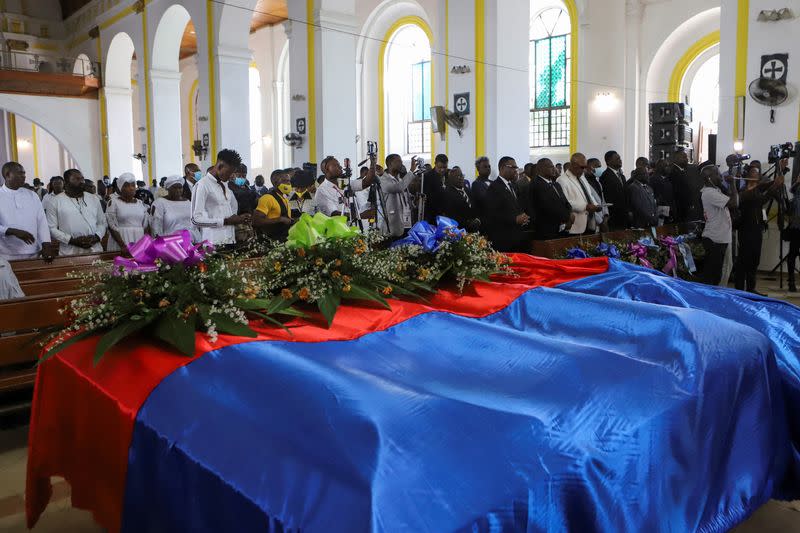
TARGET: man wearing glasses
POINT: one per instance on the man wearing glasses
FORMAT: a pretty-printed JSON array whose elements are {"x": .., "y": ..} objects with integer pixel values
[
  {"x": 579, "y": 196},
  {"x": 505, "y": 217}
]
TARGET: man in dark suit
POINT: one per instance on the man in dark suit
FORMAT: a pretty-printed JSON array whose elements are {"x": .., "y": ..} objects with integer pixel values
[
  {"x": 686, "y": 184},
  {"x": 458, "y": 202},
  {"x": 506, "y": 220},
  {"x": 433, "y": 187},
  {"x": 552, "y": 210},
  {"x": 613, "y": 182}
]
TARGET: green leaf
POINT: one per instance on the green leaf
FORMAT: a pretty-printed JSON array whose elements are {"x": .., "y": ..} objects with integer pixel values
[
  {"x": 401, "y": 291},
  {"x": 177, "y": 332},
  {"x": 63, "y": 345},
  {"x": 291, "y": 311},
  {"x": 328, "y": 305},
  {"x": 271, "y": 320},
  {"x": 358, "y": 292},
  {"x": 122, "y": 330},
  {"x": 422, "y": 286}
]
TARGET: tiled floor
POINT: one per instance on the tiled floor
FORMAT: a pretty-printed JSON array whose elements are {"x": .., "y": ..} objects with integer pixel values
[{"x": 775, "y": 517}]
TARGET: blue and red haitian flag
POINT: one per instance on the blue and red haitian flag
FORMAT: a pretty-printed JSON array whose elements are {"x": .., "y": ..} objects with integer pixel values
[{"x": 576, "y": 397}]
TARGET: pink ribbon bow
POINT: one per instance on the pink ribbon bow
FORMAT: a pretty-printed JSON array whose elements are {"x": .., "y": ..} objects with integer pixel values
[
  {"x": 672, "y": 265},
  {"x": 639, "y": 251},
  {"x": 173, "y": 249}
]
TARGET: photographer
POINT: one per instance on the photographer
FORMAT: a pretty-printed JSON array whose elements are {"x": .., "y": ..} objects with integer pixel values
[
  {"x": 752, "y": 224},
  {"x": 792, "y": 231},
  {"x": 395, "y": 207},
  {"x": 331, "y": 198},
  {"x": 718, "y": 230}
]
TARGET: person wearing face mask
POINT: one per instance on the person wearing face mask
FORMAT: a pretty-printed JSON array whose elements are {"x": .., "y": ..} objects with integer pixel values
[
  {"x": 127, "y": 215},
  {"x": 272, "y": 217},
  {"x": 76, "y": 219},
  {"x": 191, "y": 174}
]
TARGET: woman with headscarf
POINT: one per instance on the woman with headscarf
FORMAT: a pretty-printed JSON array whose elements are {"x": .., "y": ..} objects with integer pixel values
[
  {"x": 174, "y": 212},
  {"x": 127, "y": 217}
]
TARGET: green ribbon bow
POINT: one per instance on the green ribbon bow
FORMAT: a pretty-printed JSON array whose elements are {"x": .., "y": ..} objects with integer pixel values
[{"x": 309, "y": 231}]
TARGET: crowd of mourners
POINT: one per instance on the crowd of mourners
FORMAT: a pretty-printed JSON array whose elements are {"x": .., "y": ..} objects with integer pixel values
[{"x": 512, "y": 207}]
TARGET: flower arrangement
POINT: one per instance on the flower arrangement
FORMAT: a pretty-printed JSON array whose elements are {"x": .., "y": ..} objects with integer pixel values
[
  {"x": 676, "y": 256},
  {"x": 167, "y": 291},
  {"x": 325, "y": 262},
  {"x": 170, "y": 288}
]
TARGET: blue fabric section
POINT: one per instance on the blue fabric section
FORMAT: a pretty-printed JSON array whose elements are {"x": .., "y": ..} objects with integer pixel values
[
  {"x": 778, "y": 321},
  {"x": 563, "y": 412}
]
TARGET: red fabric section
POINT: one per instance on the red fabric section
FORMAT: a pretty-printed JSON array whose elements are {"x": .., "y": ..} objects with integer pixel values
[{"x": 83, "y": 416}]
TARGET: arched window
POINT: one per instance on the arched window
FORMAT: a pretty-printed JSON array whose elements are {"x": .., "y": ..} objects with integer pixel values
[
  {"x": 704, "y": 99},
  {"x": 550, "y": 82},
  {"x": 408, "y": 92},
  {"x": 256, "y": 132}
]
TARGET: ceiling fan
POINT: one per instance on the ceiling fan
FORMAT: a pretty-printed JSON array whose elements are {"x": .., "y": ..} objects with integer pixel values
[{"x": 769, "y": 92}]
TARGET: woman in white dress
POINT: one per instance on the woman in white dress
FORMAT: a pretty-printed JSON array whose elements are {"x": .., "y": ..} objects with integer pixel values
[
  {"x": 174, "y": 212},
  {"x": 128, "y": 219}
]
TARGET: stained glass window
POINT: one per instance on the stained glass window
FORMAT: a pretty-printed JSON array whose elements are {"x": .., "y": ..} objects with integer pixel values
[{"x": 550, "y": 83}]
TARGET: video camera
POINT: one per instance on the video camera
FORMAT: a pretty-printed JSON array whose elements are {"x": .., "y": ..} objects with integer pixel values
[{"x": 782, "y": 151}]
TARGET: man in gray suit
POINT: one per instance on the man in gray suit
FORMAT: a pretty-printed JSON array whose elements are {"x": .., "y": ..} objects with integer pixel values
[{"x": 395, "y": 209}]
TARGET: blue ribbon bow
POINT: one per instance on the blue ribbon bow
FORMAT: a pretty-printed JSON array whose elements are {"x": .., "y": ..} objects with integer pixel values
[
  {"x": 430, "y": 238},
  {"x": 577, "y": 253},
  {"x": 608, "y": 250}
]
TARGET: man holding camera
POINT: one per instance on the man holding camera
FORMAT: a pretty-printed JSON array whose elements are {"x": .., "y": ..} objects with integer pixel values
[
  {"x": 394, "y": 206},
  {"x": 718, "y": 230}
]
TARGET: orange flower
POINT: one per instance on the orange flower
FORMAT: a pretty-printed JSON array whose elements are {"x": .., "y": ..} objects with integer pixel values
[
  {"x": 304, "y": 294},
  {"x": 287, "y": 294},
  {"x": 163, "y": 303},
  {"x": 336, "y": 274},
  {"x": 138, "y": 293},
  {"x": 346, "y": 279},
  {"x": 202, "y": 267},
  {"x": 387, "y": 291},
  {"x": 424, "y": 273},
  {"x": 319, "y": 262},
  {"x": 192, "y": 309},
  {"x": 346, "y": 288},
  {"x": 301, "y": 252},
  {"x": 338, "y": 263},
  {"x": 278, "y": 266}
]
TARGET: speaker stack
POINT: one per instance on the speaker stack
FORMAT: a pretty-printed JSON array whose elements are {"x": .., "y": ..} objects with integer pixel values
[{"x": 670, "y": 131}]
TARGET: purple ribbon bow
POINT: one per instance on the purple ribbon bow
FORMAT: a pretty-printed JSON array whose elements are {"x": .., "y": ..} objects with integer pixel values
[
  {"x": 672, "y": 264},
  {"x": 430, "y": 238},
  {"x": 639, "y": 251},
  {"x": 173, "y": 249}
]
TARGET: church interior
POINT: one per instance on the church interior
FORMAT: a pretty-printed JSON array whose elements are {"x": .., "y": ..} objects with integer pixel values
[{"x": 214, "y": 113}]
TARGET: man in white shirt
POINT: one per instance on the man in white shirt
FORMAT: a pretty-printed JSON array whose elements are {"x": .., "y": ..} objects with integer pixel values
[
  {"x": 213, "y": 204},
  {"x": 330, "y": 198},
  {"x": 718, "y": 229},
  {"x": 76, "y": 218},
  {"x": 579, "y": 196},
  {"x": 23, "y": 225}
]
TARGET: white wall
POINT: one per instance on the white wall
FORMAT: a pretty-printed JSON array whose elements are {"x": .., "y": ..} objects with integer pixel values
[{"x": 71, "y": 120}]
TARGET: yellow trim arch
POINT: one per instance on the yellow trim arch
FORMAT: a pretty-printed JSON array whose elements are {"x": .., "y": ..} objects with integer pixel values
[
  {"x": 740, "y": 83},
  {"x": 312, "y": 82},
  {"x": 412, "y": 20},
  {"x": 683, "y": 64},
  {"x": 192, "y": 90},
  {"x": 12, "y": 134},
  {"x": 574, "y": 27},
  {"x": 212, "y": 82},
  {"x": 480, "y": 78}
]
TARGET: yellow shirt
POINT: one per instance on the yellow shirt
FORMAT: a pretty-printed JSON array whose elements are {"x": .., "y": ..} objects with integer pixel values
[{"x": 268, "y": 205}]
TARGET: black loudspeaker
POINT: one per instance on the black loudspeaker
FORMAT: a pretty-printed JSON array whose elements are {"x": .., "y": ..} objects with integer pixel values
[
  {"x": 666, "y": 151},
  {"x": 712, "y": 147},
  {"x": 670, "y": 134},
  {"x": 670, "y": 113}
]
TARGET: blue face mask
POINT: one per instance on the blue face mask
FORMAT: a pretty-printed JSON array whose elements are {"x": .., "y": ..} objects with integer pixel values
[
  {"x": 240, "y": 182},
  {"x": 198, "y": 175}
]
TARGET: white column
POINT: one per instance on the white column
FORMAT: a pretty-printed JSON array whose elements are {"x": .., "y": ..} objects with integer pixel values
[
  {"x": 630, "y": 97},
  {"x": 279, "y": 153},
  {"x": 234, "y": 100},
  {"x": 298, "y": 79},
  {"x": 119, "y": 124},
  {"x": 461, "y": 45},
  {"x": 166, "y": 123},
  {"x": 336, "y": 82},
  {"x": 507, "y": 85}
]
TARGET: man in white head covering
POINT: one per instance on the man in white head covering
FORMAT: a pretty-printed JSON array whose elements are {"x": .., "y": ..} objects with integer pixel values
[{"x": 76, "y": 218}]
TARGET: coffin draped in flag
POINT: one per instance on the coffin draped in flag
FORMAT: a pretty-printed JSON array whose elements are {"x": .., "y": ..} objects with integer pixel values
[{"x": 554, "y": 401}]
